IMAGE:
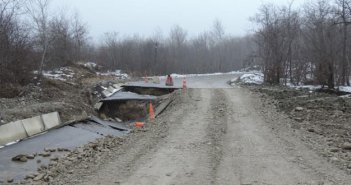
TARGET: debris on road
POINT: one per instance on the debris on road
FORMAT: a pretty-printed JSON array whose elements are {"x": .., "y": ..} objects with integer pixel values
[
  {"x": 20, "y": 158},
  {"x": 299, "y": 109}
]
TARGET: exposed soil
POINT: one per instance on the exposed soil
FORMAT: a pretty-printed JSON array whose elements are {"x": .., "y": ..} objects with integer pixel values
[
  {"x": 322, "y": 119},
  {"x": 71, "y": 98},
  {"x": 127, "y": 110}
]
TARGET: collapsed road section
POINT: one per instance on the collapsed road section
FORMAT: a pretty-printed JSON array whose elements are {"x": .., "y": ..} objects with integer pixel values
[{"x": 41, "y": 141}]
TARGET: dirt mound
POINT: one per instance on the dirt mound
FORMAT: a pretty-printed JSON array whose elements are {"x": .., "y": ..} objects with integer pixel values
[
  {"x": 71, "y": 96},
  {"x": 323, "y": 118},
  {"x": 315, "y": 106}
]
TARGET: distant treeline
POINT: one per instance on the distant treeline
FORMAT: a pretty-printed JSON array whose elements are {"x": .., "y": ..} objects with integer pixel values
[
  {"x": 309, "y": 44},
  {"x": 212, "y": 51},
  {"x": 32, "y": 38}
]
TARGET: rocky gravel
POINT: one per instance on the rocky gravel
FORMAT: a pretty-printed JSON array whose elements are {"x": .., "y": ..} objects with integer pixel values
[{"x": 322, "y": 119}]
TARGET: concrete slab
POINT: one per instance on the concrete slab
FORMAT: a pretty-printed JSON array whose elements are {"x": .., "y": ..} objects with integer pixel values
[
  {"x": 123, "y": 96},
  {"x": 11, "y": 132},
  {"x": 33, "y": 125},
  {"x": 106, "y": 93},
  {"x": 98, "y": 105},
  {"x": 117, "y": 86},
  {"x": 51, "y": 120},
  {"x": 111, "y": 89}
]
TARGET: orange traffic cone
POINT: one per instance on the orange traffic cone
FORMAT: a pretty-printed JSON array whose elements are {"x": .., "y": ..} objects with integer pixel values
[
  {"x": 139, "y": 124},
  {"x": 151, "y": 112},
  {"x": 184, "y": 84}
]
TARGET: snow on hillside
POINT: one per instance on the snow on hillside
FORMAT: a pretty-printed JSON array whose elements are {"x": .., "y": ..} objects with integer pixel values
[{"x": 62, "y": 73}]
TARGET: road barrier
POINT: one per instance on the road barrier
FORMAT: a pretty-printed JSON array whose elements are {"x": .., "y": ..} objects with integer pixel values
[
  {"x": 51, "y": 120},
  {"x": 22, "y": 129},
  {"x": 12, "y": 132},
  {"x": 33, "y": 125}
]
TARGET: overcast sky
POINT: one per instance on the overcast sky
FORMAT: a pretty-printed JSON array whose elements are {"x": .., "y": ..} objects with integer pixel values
[{"x": 144, "y": 17}]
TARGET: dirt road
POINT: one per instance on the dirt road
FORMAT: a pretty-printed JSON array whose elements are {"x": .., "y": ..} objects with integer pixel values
[{"x": 217, "y": 136}]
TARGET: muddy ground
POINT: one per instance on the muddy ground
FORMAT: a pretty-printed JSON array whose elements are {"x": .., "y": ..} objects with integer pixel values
[
  {"x": 72, "y": 98},
  {"x": 322, "y": 119},
  {"x": 206, "y": 136}
]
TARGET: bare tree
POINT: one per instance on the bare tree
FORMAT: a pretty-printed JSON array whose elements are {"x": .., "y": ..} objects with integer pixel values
[
  {"x": 60, "y": 51},
  {"x": 79, "y": 32},
  {"x": 217, "y": 32},
  {"x": 343, "y": 14},
  {"x": 15, "y": 64},
  {"x": 38, "y": 10},
  {"x": 111, "y": 46},
  {"x": 177, "y": 36},
  {"x": 321, "y": 41}
]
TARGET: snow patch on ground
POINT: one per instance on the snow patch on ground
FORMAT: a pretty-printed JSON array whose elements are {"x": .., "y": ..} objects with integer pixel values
[
  {"x": 345, "y": 89},
  {"x": 63, "y": 74},
  {"x": 249, "y": 78},
  {"x": 308, "y": 87},
  {"x": 89, "y": 65},
  {"x": 117, "y": 73}
]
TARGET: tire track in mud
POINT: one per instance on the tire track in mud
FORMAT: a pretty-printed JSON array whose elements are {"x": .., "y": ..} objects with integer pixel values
[{"x": 217, "y": 130}]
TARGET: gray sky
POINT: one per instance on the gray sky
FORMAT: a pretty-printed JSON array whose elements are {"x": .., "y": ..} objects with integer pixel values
[{"x": 144, "y": 17}]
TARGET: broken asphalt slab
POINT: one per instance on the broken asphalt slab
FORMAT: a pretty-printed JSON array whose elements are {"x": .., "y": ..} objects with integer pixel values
[
  {"x": 102, "y": 127},
  {"x": 125, "y": 96},
  {"x": 66, "y": 137},
  {"x": 118, "y": 126},
  {"x": 69, "y": 137}
]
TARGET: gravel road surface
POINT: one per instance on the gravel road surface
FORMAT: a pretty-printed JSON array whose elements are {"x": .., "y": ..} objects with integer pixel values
[{"x": 216, "y": 136}]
